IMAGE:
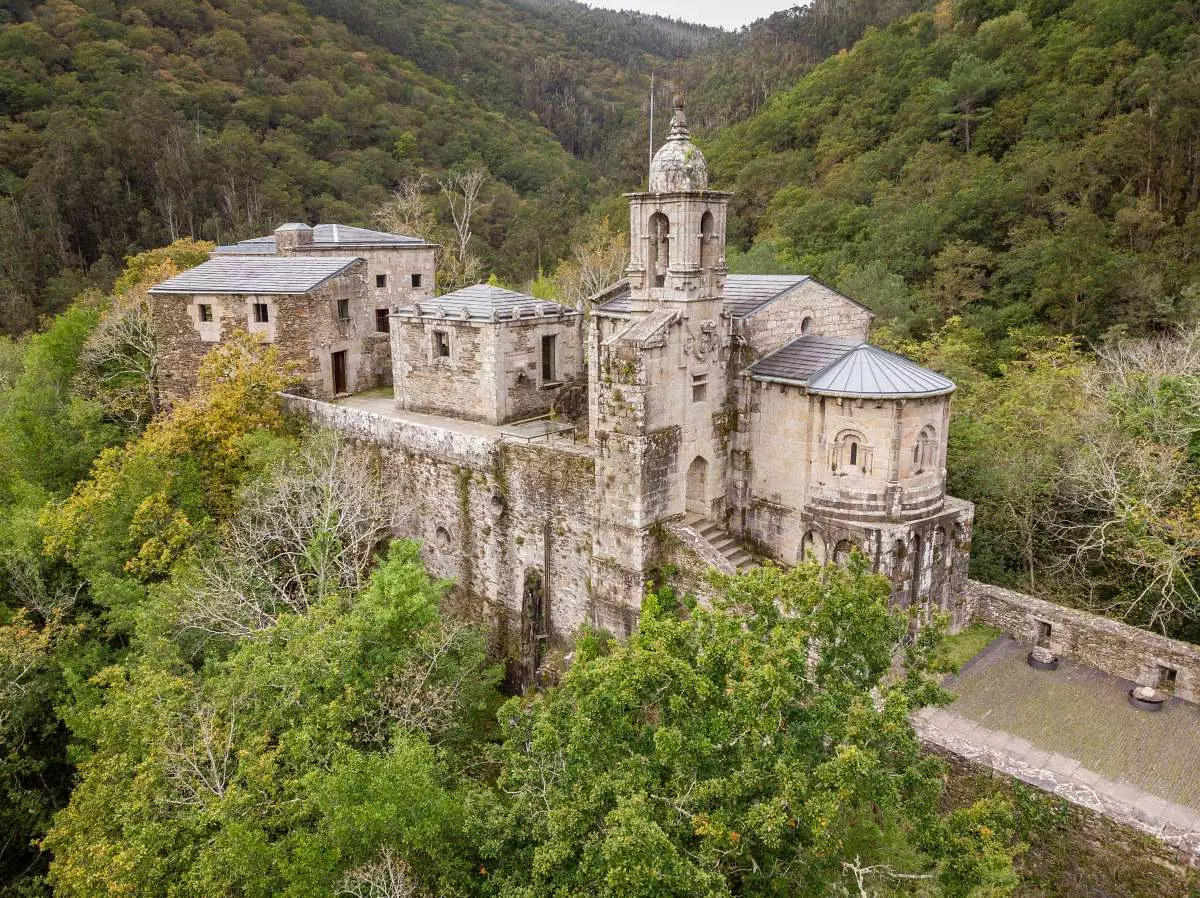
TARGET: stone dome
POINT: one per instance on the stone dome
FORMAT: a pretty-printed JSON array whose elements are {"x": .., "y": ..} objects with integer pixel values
[{"x": 678, "y": 164}]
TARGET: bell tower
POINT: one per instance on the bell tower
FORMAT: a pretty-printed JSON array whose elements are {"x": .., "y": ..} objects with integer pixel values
[{"x": 677, "y": 226}]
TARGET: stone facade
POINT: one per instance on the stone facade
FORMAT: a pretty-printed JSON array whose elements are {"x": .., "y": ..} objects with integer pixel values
[
  {"x": 1101, "y": 642},
  {"x": 350, "y": 315},
  {"x": 307, "y": 329},
  {"x": 491, "y": 371}
]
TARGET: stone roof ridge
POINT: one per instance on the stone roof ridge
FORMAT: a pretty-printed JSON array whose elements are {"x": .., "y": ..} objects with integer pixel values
[
  {"x": 647, "y": 330},
  {"x": 272, "y": 275},
  {"x": 492, "y": 303}
]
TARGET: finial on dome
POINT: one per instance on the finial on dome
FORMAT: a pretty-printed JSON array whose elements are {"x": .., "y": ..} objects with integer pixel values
[
  {"x": 678, "y": 164},
  {"x": 679, "y": 129}
]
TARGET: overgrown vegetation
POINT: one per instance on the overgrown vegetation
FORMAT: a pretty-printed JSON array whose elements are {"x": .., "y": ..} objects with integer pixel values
[{"x": 1015, "y": 163}]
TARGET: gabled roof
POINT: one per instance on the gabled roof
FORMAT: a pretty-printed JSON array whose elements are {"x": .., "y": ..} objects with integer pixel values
[
  {"x": 745, "y": 294},
  {"x": 286, "y": 274},
  {"x": 830, "y": 366},
  {"x": 325, "y": 236},
  {"x": 486, "y": 301}
]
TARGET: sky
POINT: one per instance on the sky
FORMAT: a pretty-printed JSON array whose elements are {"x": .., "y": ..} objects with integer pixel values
[{"x": 725, "y": 13}]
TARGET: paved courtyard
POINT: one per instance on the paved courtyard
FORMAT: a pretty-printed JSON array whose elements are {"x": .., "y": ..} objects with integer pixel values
[{"x": 1083, "y": 714}]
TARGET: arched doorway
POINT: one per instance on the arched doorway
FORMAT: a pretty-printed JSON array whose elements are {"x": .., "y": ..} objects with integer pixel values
[
  {"x": 697, "y": 486},
  {"x": 841, "y": 553}
]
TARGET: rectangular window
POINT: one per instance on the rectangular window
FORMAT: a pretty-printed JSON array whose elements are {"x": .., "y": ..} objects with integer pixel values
[
  {"x": 548, "y": 352},
  {"x": 381, "y": 281},
  {"x": 660, "y": 280},
  {"x": 205, "y": 312},
  {"x": 699, "y": 387},
  {"x": 261, "y": 315},
  {"x": 382, "y": 321},
  {"x": 1167, "y": 678},
  {"x": 441, "y": 345},
  {"x": 344, "y": 309},
  {"x": 416, "y": 280}
]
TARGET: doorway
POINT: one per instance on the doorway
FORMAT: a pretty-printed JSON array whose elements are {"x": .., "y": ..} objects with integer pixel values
[{"x": 339, "y": 372}]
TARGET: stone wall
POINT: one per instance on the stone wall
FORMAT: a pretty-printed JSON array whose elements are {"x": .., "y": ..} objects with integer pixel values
[
  {"x": 1108, "y": 645},
  {"x": 494, "y": 515},
  {"x": 779, "y": 321},
  {"x": 453, "y": 385},
  {"x": 306, "y": 329}
]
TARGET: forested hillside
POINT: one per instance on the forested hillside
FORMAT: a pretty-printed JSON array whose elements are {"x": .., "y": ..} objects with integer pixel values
[
  {"x": 124, "y": 125},
  {"x": 1016, "y": 163}
]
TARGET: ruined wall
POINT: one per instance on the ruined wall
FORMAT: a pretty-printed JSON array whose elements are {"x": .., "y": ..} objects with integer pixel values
[
  {"x": 305, "y": 329},
  {"x": 1106, "y": 644},
  {"x": 494, "y": 515}
]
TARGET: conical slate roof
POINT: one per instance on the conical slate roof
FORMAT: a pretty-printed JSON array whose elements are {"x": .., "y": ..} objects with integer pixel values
[
  {"x": 870, "y": 372},
  {"x": 830, "y": 366}
]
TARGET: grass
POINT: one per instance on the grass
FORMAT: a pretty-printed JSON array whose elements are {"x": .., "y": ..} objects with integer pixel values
[
  {"x": 969, "y": 642},
  {"x": 376, "y": 393}
]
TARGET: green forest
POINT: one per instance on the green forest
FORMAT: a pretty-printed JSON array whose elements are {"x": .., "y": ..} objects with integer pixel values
[{"x": 1013, "y": 186}]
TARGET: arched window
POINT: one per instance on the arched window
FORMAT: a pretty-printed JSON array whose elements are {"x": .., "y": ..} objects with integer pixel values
[
  {"x": 939, "y": 546},
  {"x": 708, "y": 242},
  {"x": 808, "y": 547},
  {"x": 925, "y": 451},
  {"x": 660, "y": 248},
  {"x": 851, "y": 454},
  {"x": 806, "y": 325}
]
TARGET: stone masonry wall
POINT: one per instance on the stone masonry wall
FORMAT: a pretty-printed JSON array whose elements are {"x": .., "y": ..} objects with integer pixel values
[
  {"x": 779, "y": 321},
  {"x": 491, "y": 512},
  {"x": 456, "y": 385},
  {"x": 304, "y": 328},
  {"x": 1108, "y": 645}
]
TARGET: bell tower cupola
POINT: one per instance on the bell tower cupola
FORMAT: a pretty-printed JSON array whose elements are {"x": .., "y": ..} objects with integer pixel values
[{"x": 677, "y": 227}]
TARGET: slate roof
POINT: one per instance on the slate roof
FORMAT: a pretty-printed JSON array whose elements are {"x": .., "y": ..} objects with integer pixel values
[
  {"x": 829, "y": 366},
  {"x": 486, "y": 301},
  {"x": 286, "y": 274},
  {"x": 327, "y": 236},
  {"x": 744, "y": 293}
]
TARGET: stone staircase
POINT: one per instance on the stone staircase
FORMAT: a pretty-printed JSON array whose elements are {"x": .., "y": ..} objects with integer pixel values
[{"x": 719, "y": 540}]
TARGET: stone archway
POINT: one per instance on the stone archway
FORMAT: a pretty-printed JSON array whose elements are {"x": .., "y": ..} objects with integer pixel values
[{"x": 697, "y": 486}]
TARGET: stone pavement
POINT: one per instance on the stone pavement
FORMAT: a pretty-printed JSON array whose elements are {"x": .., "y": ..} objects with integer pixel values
[{"x": 1072, "y": 733}]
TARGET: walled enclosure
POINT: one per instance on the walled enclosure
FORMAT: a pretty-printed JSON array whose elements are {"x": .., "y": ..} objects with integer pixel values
[
  {"x": 305, "y": 329},
  {"x": 1101, "y": 642}
]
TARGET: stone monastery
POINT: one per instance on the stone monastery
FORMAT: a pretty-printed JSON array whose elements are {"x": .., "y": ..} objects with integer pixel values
[{"x": 728, "y": 418}]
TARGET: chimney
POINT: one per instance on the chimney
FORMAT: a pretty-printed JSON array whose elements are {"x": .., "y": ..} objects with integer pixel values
[{"x": 291, "y": 237}]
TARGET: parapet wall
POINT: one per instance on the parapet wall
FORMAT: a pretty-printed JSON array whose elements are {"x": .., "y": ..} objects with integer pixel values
[
  {"x": 1108, "y": 645},
  {"x": 382, "y": 430}
]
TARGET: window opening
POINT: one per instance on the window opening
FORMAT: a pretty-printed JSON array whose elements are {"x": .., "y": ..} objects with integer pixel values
[
  {"x": 806, "y": 325},
  {"x": 416, "y": 280},
  {"x": 854, "y": 453},
  {"x": 1167, "y": 678},
  {"x": 1043, "y": 632},
  {"x": 344, "y": 309},
  {"x": 699, "y": 387},
  {"x": 381, "y": 280},
  {"x": 441, "y": 345},
  {"x": 206, "y": 312},
  {"x": 383, "y": 323},
  {"x": 548, "y": 361},
  {"x": 261, "y": 315}
]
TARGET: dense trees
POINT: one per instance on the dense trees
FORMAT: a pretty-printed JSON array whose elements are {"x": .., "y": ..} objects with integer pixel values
[{"x": 1014, "y": 163}]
